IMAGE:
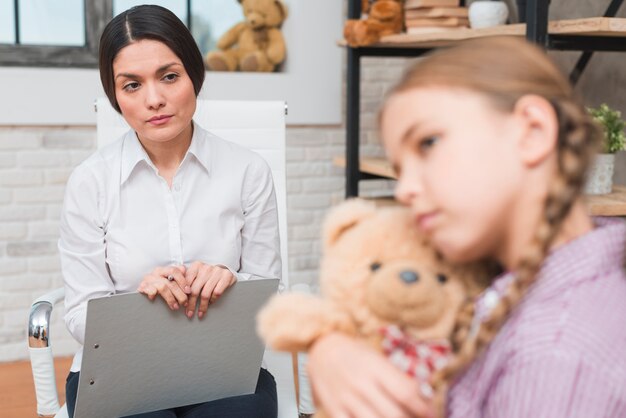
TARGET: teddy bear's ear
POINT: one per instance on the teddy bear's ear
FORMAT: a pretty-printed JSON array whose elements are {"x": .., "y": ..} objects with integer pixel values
[
  {"x": 344, "y": 217},
  {"x": 283, "y": 8}
]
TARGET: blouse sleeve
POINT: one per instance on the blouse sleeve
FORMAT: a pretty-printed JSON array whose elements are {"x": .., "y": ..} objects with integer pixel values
[
  {"x": 260, "y": 252},
  {"x": 82, "y": 249},
  {"x": 554, "y": 385}
]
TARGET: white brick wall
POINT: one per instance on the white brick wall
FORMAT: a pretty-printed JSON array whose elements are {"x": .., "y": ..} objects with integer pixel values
[{"x": 34, "y": 165}]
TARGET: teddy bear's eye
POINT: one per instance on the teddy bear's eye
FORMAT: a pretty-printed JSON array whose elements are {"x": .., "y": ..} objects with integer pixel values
[
  {"x": 441, "y": 278},
  {"x": 375, "y": 266}
]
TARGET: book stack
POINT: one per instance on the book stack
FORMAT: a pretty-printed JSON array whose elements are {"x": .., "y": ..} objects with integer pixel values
[{"x": 424, "y": 16}]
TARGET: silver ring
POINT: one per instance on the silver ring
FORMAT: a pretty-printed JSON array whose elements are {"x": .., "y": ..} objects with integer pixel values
[{"x": 170, "y": 278}]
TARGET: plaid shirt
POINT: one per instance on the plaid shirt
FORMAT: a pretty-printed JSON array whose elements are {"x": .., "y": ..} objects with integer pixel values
[{"x": 562, "y": 352}]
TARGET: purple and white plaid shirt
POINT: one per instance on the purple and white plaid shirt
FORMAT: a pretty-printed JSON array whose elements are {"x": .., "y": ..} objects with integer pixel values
[{"x": 562, "y": 353}]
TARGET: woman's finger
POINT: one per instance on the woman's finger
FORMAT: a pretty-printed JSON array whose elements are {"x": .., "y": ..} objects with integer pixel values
[
  {"x": 164, "y": 290},
  {"x": 175, "y": 274},
  {"x": 201, "y": 275},
  {"x": 207, "y": 291},
  {"x": 148, "y": 290},
  {"x": 227, "y": 279},
  {"x": 146, "y": 287},
  {"x": 181, "y": 297},
  {"x": 192, "y": 272}
]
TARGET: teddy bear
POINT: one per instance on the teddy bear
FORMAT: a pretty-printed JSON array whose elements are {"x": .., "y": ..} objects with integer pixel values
[
  {"x": 255, "y": 45},
  {"x": 382, "y": 282},
  {"x": 379, "y": 18}
]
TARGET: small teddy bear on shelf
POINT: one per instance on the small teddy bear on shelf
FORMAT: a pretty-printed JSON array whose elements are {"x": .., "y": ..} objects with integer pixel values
[
  {"x": 378, "y": 18},
  {"x": 383, "y": 283},
  {"x": 255, "y": 45}
]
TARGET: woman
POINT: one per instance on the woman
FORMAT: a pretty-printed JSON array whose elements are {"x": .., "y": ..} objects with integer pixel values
[{"x": 169, "y": 202}]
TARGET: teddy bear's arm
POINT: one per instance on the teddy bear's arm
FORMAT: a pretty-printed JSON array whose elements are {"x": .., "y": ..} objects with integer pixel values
[
  {"x": 276, "y": 50},
  {"x": 231, "y": 37},
  {"x": 292, "y": 322}
]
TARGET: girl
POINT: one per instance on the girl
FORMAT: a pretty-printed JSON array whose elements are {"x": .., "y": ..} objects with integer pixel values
[
  {"x": 169, "y": 209},
  {"x": 491, "y": 148}
]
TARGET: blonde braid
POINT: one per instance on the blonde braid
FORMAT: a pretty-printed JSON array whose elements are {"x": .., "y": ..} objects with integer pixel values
[{"x": 577, "y": 143}]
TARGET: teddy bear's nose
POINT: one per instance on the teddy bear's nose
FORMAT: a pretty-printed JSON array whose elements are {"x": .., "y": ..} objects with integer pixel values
[{"x": 409, "y": 276}]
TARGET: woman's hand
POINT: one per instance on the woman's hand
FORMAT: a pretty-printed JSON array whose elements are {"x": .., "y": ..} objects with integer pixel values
[
  {"x": 351, "y": 380},
  {"x": 173, "y": 291},
  {"x": 207, "y": 282}
]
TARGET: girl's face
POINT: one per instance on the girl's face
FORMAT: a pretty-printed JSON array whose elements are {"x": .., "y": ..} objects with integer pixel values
[
  {"x": 154, "y": 92},
  {"x": 458, "y": 167}
]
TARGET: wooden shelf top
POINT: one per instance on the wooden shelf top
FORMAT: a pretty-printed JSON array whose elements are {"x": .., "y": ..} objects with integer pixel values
[
  {"x": 612, "y": 204},
  {"x": 593, "y": 26},
  {"x": 376, "y": 166}
]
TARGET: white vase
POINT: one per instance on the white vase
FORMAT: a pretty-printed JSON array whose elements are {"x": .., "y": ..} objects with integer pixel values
[
  {"x": 485, "y": 14},
  {"x": 600, "y": 176}
]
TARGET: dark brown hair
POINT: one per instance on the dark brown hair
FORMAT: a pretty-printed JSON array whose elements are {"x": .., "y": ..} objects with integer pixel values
[{"x": 148, "y": 22}]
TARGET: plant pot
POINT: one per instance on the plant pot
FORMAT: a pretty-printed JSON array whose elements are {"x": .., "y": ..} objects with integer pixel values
[
  {"x": 600, "y": 177},
  {"x": 485, "y": 14}
]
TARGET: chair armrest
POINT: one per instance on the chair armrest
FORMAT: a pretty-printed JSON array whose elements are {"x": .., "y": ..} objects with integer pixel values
[
  {"x": 39, "y": 318},
  {"x": 41, "y": 359}
]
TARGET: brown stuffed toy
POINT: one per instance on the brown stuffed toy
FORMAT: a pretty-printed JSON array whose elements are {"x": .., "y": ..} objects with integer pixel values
[
  {"x": 254, "y": 45},
  {"x": 379, "y": 18},
  {"x": 380, "y": 282}
]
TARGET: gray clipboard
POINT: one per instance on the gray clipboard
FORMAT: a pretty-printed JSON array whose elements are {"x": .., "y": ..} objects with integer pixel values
[{"x": 139, "y": 356}]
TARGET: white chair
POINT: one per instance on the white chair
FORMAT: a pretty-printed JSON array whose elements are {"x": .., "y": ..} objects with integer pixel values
[{"x": 259, "y": 126}]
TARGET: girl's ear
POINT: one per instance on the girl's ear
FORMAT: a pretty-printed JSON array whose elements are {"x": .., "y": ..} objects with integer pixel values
[{"x": 540, "y": 129}]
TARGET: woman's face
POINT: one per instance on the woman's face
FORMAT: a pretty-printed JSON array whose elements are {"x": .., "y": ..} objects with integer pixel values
[
  {"x": 154, "y": 92},
  {"x": 457, "y": 165}
]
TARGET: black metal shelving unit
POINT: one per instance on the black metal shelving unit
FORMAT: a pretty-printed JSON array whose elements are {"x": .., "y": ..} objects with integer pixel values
[{"x": 532, "y": 12}]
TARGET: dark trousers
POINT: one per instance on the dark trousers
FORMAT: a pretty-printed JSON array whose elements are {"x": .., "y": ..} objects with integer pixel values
[{"x": 262, "y": 404}]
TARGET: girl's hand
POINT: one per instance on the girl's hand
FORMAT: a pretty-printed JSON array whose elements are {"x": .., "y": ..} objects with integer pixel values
[
  {"x": 207, "y": 282},
  {"x": 173, "y": 291},
  {"x": 351, "y": 380}
]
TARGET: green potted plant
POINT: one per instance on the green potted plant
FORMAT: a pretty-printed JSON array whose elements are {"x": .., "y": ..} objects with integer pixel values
[{"x": 600, "y": 179}]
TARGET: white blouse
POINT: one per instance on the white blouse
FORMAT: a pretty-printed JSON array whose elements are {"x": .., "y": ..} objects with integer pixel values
[{"x": 120, "y": 219}]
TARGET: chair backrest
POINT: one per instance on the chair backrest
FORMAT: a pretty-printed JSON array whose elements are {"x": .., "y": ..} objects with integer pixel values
[{"x": 257, "y": 125}]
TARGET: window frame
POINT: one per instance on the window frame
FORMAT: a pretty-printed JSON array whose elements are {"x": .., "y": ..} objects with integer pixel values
[{"x": 97, "y": 15}]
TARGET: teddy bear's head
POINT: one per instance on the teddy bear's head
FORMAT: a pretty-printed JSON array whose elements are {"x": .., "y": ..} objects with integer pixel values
[
  {"x": 264, "y": 13},
  {"x": 378, "y": 266}
]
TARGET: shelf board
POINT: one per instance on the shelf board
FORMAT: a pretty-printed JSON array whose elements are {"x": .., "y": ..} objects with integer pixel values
[
  {"x": 593, "y": 26},
  {"x": 612, "y": 204},
  {"x": 376, "y": 166}
]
